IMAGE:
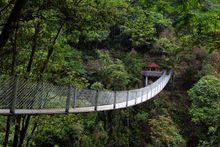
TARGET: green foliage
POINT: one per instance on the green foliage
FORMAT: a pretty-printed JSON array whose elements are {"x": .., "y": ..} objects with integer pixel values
[
  {"x": 118, "y": 128},
  {"x": 211, "y": 66},
  {"x": 141, "y": 26},
  {"x": 164, "y": 132},
  {"x": 133, "y": 65},
  {"x": 66, "y": 66},
  {"x": 72, "y": 132},
  {"x": 97, "y": 86},
  {"x": 165, "y": 45},
  {"x": 2, "y": 120},
  {"x": 75, "y": 131},
  {"x": 205, "y": 91},
  {"x": 139, "y": 130},
  {"x": 204, "y": 109},
  {"x": 100, "y": 135},
  {"x": 112, "y": 73}
]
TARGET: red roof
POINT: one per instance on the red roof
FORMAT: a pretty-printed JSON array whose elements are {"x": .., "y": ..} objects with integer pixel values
[{"x": 153, "y": 65}]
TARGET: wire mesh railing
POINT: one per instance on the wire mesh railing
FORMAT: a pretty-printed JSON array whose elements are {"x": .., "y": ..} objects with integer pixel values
[{"x": 25, "y": 95}]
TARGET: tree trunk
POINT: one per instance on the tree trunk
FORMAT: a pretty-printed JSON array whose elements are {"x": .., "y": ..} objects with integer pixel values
[
  {"x": 17, "y": 131},
  {"x": 24, "y": 129},
  {"x": 14, "y": 50},
  {"x": 26, "y": 118},
  {"x": 37, "y": 30},
  {"x": 32, "y": 132},
  {"x": 14, "y": 53},
  {"x": 50, "y": 51},
  {"x": 6, "y": 6},
  {"x": 7, "y": 131},
  {"x": 9, "y": 26}
]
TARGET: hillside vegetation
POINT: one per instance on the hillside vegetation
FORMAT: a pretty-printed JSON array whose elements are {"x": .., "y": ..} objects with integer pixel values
[{"x": 105, "y": 44}]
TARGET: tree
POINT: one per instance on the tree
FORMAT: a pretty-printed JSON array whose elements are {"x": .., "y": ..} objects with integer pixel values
[
  {"x": 164, "y": 132},
  {"x": 112, "y": 74},
  {"x": 141, "y": 24},
  {"x": 133, "y": 65},
  {"x": 205, "y": 108},
  {"x": 9, "y": 27}
]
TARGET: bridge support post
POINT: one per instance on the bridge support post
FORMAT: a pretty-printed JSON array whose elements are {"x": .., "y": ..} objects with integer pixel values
[
  {"x": 151, "y": 91},
  {"x": 41, "y": 98},
  {"x": 96, "y": 99},
  {"x": 68, "y": 99},
  {"x": 14, "y": 95},
  {"x": 114, "y": 99},
  {"x": 146, "y": 81},
  {"x": 127, "y": 98},
  {"x": 157, "y": 89},
  {"x": 142, "y": 95},
  {"x": 154, "y": 90},
  {"x": 75, "y": 98},
  {"x": 135, "y": 97},
  {"x": 146, "y": 97}
]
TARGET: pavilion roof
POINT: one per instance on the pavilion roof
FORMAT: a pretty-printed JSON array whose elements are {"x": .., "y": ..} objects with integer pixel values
[{"x": 153, "y": 65}]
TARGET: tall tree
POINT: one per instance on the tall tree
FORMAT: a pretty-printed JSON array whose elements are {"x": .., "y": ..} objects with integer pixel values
[{"x": 9, "y": 27}]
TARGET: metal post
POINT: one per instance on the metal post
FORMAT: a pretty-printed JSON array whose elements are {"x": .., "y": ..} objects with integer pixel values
[
  {"x": 146, "y": 81},
  {"x": 114, "y": 99},
  {"x": 68, "y": 99},
  {"x": 146, "y": 93},
  {"x": 41, "y": 99},
  {"x": 35, "y": 94},
  {"x": 14, "y": 95},
  {"x": 142, "y": 94},
  {"x": 75, "y": 98},
  {"x": 135, "y": 97},
  {"x": 127, "y": 98},
  {"x": 151, "y": 91},
  {"x": 96, "y": 99},
  {"x": 154, "y": 90}
]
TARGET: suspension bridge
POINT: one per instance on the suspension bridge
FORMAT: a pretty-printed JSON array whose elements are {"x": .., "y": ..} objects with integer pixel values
[{"x": 22, "y": 96}]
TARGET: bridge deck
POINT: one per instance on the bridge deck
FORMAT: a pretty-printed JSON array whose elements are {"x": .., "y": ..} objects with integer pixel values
[
  {"x": 145, "y": 94},
  {"x": 75, "y": 110}
]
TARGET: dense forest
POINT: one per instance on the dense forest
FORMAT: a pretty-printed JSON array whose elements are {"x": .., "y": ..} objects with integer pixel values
[{"x": 105, "y": 44}]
